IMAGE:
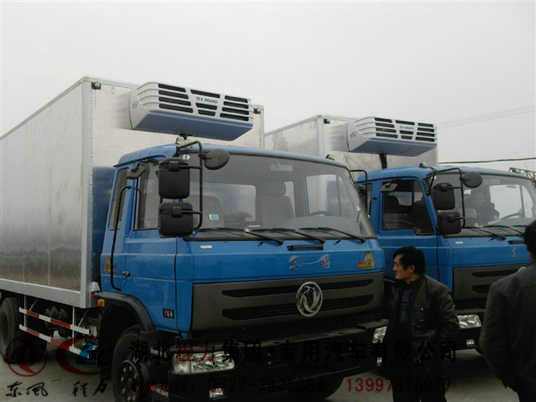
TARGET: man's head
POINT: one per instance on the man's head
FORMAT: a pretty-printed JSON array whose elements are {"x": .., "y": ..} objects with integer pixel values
[
  {"x": 408, "y": 264},
  {"x": 530, "y": 239}
]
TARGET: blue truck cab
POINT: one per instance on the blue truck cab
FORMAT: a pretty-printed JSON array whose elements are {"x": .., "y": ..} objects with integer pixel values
[
  {"x": 252, "y": 253},
  {"x": 487, "y": 246}
]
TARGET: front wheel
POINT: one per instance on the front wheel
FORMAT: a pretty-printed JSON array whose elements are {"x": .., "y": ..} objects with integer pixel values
[{"x": 128, "y": 376}]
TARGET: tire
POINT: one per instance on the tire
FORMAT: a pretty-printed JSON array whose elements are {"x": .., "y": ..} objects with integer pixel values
[
  {"x": 131, "y": 373},
  {"x": 128, "y": 384},
  {"x": 17, "y": 346},
  {"x": 327, "y": 387}
]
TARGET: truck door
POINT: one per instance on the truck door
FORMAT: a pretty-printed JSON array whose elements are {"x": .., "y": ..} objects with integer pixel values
[
  {"x": 149, "y": 261},
  {"x": 405, "y": 221}
]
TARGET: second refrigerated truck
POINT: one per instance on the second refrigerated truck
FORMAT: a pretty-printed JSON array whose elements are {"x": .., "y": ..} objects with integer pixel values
[{"x": 468, "y": 221}]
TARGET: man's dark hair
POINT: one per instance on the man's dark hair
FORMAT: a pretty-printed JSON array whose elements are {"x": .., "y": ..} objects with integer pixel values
[
  {"x": 530, "y": 238},
  {"x": 412, "y": 256}
]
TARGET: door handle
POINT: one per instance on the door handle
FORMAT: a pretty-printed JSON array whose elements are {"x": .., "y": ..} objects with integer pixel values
[{"x": 126, "y": 274}]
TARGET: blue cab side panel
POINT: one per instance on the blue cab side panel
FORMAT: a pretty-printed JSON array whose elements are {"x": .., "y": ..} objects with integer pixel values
[
  {"x": 391, "y": 240},
  {"x": 144, "y": 266}
]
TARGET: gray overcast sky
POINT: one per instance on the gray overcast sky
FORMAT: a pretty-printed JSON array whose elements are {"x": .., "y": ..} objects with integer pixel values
[{"x": 469, "y": 67}]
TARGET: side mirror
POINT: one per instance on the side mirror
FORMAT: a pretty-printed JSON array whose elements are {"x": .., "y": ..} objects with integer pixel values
[
  {"x": 443, "y": 196},
  {"x": 175, "y": 219},
  {"x": 173, "y": 179},
  {"x": 471, "y": 180},
  {"x": 216, "y": 159},
  {"x": 449, "y": 222}
]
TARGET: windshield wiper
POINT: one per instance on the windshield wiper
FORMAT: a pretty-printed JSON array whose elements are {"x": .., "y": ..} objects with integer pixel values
[
  {"x": 493, "y": 234},
  {"x": 505, "y": 226},
  {"x": 350, "y": 235},
  {"x": 249, "y": 232},
  {"x": 289, "y": 230}
]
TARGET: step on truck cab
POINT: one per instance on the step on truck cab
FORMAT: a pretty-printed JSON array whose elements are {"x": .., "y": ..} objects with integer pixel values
[
  {"x": 468, "y": 221},
  {"x": 185, "y": 268}
]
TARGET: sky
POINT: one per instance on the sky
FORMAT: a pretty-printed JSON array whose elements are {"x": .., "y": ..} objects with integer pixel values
[{"x": 468, "y": 67}]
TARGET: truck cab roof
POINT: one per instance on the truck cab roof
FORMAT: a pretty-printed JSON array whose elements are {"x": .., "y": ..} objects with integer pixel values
[
  {"x": 421, "y": 172},
  {"x": 168, "y": 151}
]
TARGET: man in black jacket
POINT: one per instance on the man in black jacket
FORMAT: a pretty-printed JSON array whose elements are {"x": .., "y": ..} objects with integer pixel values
[
  {"x": 508, "y": 337},
  {"x": 422, "y": 327}
]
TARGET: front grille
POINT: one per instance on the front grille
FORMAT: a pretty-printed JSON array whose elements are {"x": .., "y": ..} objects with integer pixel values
[
  {"x": 278, "y": 290},
  {"x": 471, "y": 304},
  {"x": 497, "y": 274},
  {"x": 482, "y": 289},
  {"x": 471, "y": 283},
  {"x": 274, "y": 301},
  {"x": 249, "y": 313}
]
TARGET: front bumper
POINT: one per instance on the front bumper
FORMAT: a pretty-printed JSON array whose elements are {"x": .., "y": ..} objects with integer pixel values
[{"x": 299, "y": 362}]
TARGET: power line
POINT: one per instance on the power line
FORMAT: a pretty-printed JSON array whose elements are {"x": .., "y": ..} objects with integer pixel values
[
  {"x": 488, "y": 116},
  {"x": 494, "y": 160}
]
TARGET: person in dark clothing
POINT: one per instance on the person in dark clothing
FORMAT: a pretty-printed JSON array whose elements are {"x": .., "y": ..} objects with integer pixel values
[
  {"x": 421, "y": 330},
  {"x": 508, "y": 337}
]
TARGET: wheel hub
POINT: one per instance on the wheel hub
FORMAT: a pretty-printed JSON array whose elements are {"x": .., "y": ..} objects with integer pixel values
[{"x": 130, "y": 381}]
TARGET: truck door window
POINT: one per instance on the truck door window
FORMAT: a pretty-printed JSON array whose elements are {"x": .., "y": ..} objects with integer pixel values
[
  {"x": 506, "y": 199},
  {"x": 120, "y": 182},
  {"x": 529, "y": 210},
  {"x": 148, "y": 199},
  {"x": 499, "y": 200},
  {"x": 365, "y": 191},
  {"x": 404, "y": 208},
  {"x": 512, "y": 200}
]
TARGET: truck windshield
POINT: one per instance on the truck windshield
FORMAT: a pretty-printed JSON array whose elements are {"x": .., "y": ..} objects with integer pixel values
[
  {"x": 500, "y": 201},
  {"x": 259, "y": 193}
]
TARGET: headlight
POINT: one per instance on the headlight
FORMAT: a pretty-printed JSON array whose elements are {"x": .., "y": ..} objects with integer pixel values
[
  {"x": 469, "y": 321},
  {"x": 193, "y": 363},
  {"x": 379, "y": 334}
]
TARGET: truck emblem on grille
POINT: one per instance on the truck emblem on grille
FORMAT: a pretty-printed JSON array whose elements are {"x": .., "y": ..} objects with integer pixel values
[{"x": 309, "y": 299}]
